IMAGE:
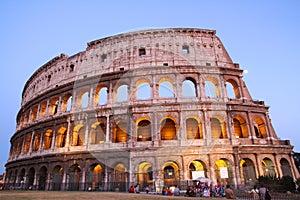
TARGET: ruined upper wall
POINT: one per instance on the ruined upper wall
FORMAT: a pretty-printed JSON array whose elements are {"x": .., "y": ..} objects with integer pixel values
[{"x": 161, "y": 47}]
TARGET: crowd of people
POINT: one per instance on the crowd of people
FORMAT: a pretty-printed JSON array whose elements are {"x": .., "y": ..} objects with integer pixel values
[{"x": 205, "y": 190}]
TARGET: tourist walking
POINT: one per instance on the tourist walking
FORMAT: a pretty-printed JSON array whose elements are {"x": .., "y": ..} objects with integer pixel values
[{"x": 229, "y": 193}]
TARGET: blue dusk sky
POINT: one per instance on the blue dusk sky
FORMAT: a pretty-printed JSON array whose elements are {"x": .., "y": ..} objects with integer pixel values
[{"x": 261, "y": 35}]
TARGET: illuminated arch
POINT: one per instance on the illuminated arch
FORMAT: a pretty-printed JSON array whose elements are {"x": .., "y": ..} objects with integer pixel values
[
  {"x": 61, "y": 137},
  {"x": 97, "y": 133},
  {"x": 144, "y": 130},
  {"x": 66, "y": 103},
  {"x": 218, "y": 128},
  {"x": 120, "y": 131},
  {"x": 47, "y": 139},
  {"x": 170, "y": 173},
  {"x": 260, "y": 128},
  {"x": 248, "y": 174},
  {"x": 193, "y": 129},
  {"x": 53, "y": 104},
  {"x": 168, "y": 129},
  {"x": 120, "y": 176},
  {"x": 224, "y": 171},
  {"x": 95, "y": 177},
  {"x": 36, "y": 141},
  {"x": 268, "y": 167},
  {"x": 78, "y": 135},
  {"x": 197, "y": 168},
  {"x": 240, "y": 127},
  {"x": 145, "y": 174}
]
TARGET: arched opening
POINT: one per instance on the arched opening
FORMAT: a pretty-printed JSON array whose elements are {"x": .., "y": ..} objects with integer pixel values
[
  {"x": 21, "y": 178},
  {"x": 145, "y": 174},
  {"x": 218, "y": 129},
  {"x": 143, "y": 91},
  {"x": 66, "y": 103},
  {"x": 42, "y": 178},
  {"x": 34, "y": 113},
  {"x": 120, "y": 177},
  {"x": 85, "y": 100},
  {"x": 189, "y": 89},
  {"x": 53, "y": 106},
  {"x": 47, "y": 139},
  {"x": 57, "y": 178},
  {"x": 36, "y": 141},
  {"x": 31, "y": 176},
  {"x": 43, "y": 107},
  {"x": 61, "y": 137},
  {"x": 193, "y": 129},
  {"x": 168, "y": 129},
  {"x": 166, "y": 89},
  {"x": 171, "y": 174},
  {"x": 120, "y": 132},
  {"x": 74, "y": 177},
  {"x": 78, "y": 135},
  {"x": 224, "y": 172},
  {"x": 260, "y": 128},
  {"x": 101, "y": 96},
  {"x": 27, "y": 143},
  {"x": 144, "y": 130},
  {"x": 285, "y": 167},
  {"x": 96, "y": 177},
  {"x": 197, "y": 169},
  {"x": 240, "y": 127},
  {"x": 248, "y": 175},
  {"x": 211, "y": 89},
  {"x": 122, "y": 93},
  {"x": 268, "y": 167},
  {"x": 232, "y": 89},
  {"x": 97, "y": 133}
]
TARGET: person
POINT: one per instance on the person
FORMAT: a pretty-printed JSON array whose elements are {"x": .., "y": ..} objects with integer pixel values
[
  {"x": 147, "y": 189},
  {"x": 164, "y": 191},
  {"x": 267, "y": 195},
  {"x": 169, "y": 191},
  {"x": 137, "y": 188},
  {"x": 262, "y": 192},
  {"x": 255, "y": 193},
  {"x": 131, "y": 189},
  {"x": 229, "y": 193},
  {"x": 176, "y": 191}
]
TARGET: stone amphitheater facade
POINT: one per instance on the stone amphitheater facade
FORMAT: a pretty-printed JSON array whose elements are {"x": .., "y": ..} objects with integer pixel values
[{"x": 155, "y": 107}]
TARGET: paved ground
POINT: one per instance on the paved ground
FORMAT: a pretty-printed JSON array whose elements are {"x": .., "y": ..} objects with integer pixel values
[{"x": 49, "y": 195}]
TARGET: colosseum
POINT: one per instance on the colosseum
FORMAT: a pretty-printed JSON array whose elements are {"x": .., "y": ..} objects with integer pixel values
[{"x": 158, "y": 107}]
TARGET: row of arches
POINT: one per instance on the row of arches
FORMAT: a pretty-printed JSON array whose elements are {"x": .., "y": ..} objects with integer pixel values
[
  {"x": 143, "y": 90},
  {"x": 98, "y": 176},
  {"x": 120, "y": 130}
]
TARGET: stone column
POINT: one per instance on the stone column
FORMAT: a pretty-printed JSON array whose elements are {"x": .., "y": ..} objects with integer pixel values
[
  {"x": 68, "y": 133},
  {"x": 258, "y": 166},
  {"x": 31, "y": 142},
  {"x": 53, "y": 140},
  {"x": 107, "y": 130}
]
